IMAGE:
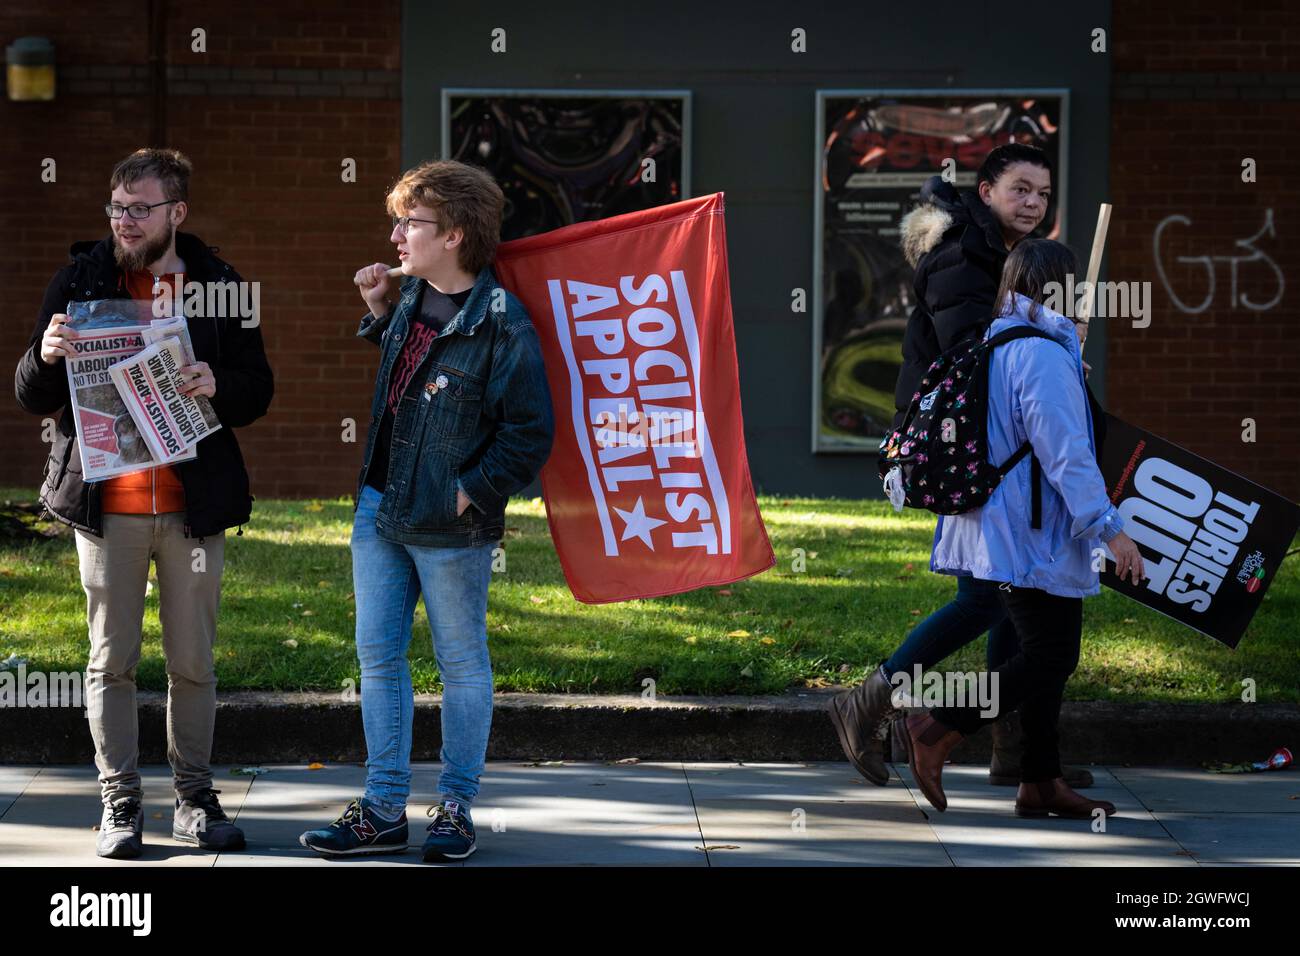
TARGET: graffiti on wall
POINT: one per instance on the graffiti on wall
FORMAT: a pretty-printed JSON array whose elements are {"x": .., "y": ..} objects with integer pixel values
[{"x": 1250, "y": 262}]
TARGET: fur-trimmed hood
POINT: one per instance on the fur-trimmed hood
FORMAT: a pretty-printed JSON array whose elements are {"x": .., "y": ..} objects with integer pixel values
[
  {"x": 941, "y": 208},
  {"x": 921, "y": 229}
]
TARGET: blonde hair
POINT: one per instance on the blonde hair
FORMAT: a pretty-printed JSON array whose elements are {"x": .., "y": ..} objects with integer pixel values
[{"x": 462, "y": 197}]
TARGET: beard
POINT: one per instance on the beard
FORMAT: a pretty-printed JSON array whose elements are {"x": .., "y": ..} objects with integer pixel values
[{"x": 150, "y": 250}]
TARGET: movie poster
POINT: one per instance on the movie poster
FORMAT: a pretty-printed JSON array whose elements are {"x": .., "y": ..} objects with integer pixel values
[
  {"x": 876, "y": 149},
  {"x": 562, "y": 159}
]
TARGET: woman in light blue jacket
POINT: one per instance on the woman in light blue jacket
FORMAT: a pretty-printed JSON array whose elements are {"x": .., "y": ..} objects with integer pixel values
[{"x": 1036, "y": 394}]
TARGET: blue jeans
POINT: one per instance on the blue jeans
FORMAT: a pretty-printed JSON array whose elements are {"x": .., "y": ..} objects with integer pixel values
[
  {"x": 388, "y": 578},
  {"x": 976, "y": 609}
]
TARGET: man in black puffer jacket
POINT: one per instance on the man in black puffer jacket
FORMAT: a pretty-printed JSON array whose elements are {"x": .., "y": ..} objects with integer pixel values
[{"x": 173, "y": 516}]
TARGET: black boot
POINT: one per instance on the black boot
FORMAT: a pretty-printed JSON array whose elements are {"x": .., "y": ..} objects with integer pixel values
[
  {"x": 1004, "y": 768},
  {"x": 861, "y": 716}
]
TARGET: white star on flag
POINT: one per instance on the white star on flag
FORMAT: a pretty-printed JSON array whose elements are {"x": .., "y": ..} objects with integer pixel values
[{"x": 637, "y": 524}]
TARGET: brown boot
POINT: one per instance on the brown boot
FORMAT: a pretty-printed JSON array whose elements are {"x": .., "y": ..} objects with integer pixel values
[
  {"x": 861, "y": 716},
  {"x": 1054, "y": 798},
  {"x": 1004, "y": 767},
  {"x": 928, "y": 745}
]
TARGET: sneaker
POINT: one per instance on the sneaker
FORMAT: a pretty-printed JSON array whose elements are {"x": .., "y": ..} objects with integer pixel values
[
  {"x": 121, "y": 829},
  {"x": 451, "y": 834},
  {"x": 200, "y": 821},
  {"x": 359, "y": 831}
]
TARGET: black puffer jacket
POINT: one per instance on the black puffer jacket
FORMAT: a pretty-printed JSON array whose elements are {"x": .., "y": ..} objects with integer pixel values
[
  {"x": 955, "y": 244},
  {"x": 216, "y": 482}
]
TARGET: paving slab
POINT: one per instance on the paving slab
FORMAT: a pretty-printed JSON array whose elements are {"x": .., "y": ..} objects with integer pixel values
[
  {"x": 13, "y": 781},
  {"x": 808, "y": 814},
  {"x": 1251, "y": 838},
  {"x": 980, "y": 827},
  {"x": 291, "y": 798},
  {"x": 582, "y": 813},
  {"x": 525, "y": 814},
  {"x": 689, "y": 814},
  {"x": 52, "y": 822},
  {"x": 1168, "y": 789}
]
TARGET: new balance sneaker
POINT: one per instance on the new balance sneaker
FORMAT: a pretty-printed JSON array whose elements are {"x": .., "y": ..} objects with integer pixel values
[
  {"x": 121, "y": 829},
  {"x": 200, "y": 821},
  {"x": 357, "y": 832},
  {"x": 451, "y": 834}
]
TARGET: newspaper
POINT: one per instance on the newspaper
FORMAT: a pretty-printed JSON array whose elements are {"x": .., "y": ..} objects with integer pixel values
[
  {"x": 170, "y": 422},
  {"x": 108, "y": 331},
  {"x": 178, "y": 329}
]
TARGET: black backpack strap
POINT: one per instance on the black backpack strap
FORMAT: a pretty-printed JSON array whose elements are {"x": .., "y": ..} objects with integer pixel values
[
  {"x": 1019, "y": 332},
  {"x": 1035, "y": 478},
  {"x": 1014, "y": 460},
  {"x": 1036, "y": 495},
  {"x": 1036, "y": 470}
]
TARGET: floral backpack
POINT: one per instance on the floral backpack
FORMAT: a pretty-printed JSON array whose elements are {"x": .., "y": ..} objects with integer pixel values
[{"x": 937, "y": 459}]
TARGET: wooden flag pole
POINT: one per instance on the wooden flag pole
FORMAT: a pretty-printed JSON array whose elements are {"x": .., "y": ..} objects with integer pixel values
[{"x": 1094, "y": 266}]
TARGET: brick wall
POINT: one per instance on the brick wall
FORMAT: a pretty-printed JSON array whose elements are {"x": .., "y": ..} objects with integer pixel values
[
  {"x": 1198, "y": 87},
  {"x": 283, "y": 93}
]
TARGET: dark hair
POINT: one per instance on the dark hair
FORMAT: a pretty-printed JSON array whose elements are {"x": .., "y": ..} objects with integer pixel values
[
  {"x": 170, "y": 167},
  {"x": 462, "y": 197},
  {"x": 997, "y": 161},
  {"x": 1030, "y": 266}
]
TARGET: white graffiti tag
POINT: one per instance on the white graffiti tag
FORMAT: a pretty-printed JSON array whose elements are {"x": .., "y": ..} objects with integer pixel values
[{"x": 1209, "y": 264}]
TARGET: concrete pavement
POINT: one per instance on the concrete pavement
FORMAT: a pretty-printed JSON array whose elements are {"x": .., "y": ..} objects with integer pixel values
[{"x": 693, "y": 814}]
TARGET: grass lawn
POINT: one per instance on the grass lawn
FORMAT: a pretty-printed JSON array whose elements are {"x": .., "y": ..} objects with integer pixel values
[{"x": 286, "y": 615}]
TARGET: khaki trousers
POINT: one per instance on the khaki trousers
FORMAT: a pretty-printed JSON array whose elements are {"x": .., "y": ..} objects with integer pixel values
[{"x": 114, "y": 572}]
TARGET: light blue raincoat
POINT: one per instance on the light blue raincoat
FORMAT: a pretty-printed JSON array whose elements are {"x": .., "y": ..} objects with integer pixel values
[{"x": 1036, "y": 392}]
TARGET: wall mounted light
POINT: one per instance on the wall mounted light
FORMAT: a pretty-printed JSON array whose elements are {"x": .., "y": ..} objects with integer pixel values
[{"x": 31, "y": 69}]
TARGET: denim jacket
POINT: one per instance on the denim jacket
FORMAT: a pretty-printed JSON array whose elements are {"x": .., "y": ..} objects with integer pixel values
[
  {"x": 1035, "y": 393},
  {"x": 477, "y": 416}
]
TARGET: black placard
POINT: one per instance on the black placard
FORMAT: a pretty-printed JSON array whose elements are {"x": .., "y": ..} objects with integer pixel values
[{"x": 1211, "y": 540}]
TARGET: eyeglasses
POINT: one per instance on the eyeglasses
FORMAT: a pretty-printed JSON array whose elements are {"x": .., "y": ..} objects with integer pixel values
[
  {"x": 402, "y": 222},
  {"x": 138, "y": 210}
]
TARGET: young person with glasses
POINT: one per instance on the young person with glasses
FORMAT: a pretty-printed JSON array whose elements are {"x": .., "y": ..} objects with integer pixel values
[{"x": 460, "y": 420}]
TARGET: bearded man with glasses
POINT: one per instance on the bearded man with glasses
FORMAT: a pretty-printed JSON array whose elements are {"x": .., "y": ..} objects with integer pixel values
[{"x": 163, "y": 514}]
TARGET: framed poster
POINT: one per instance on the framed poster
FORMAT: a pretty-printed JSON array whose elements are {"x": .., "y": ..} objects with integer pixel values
[
  {"x": 875, "y": 149},
  {"x": 566, "y": 156}
]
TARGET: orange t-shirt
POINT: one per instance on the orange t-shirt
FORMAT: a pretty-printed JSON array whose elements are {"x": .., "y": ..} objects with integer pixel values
[{"x": 154, "y": 490}]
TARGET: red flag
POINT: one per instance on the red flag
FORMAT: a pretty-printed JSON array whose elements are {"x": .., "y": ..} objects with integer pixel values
[{"x": 647, "y": 488}]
